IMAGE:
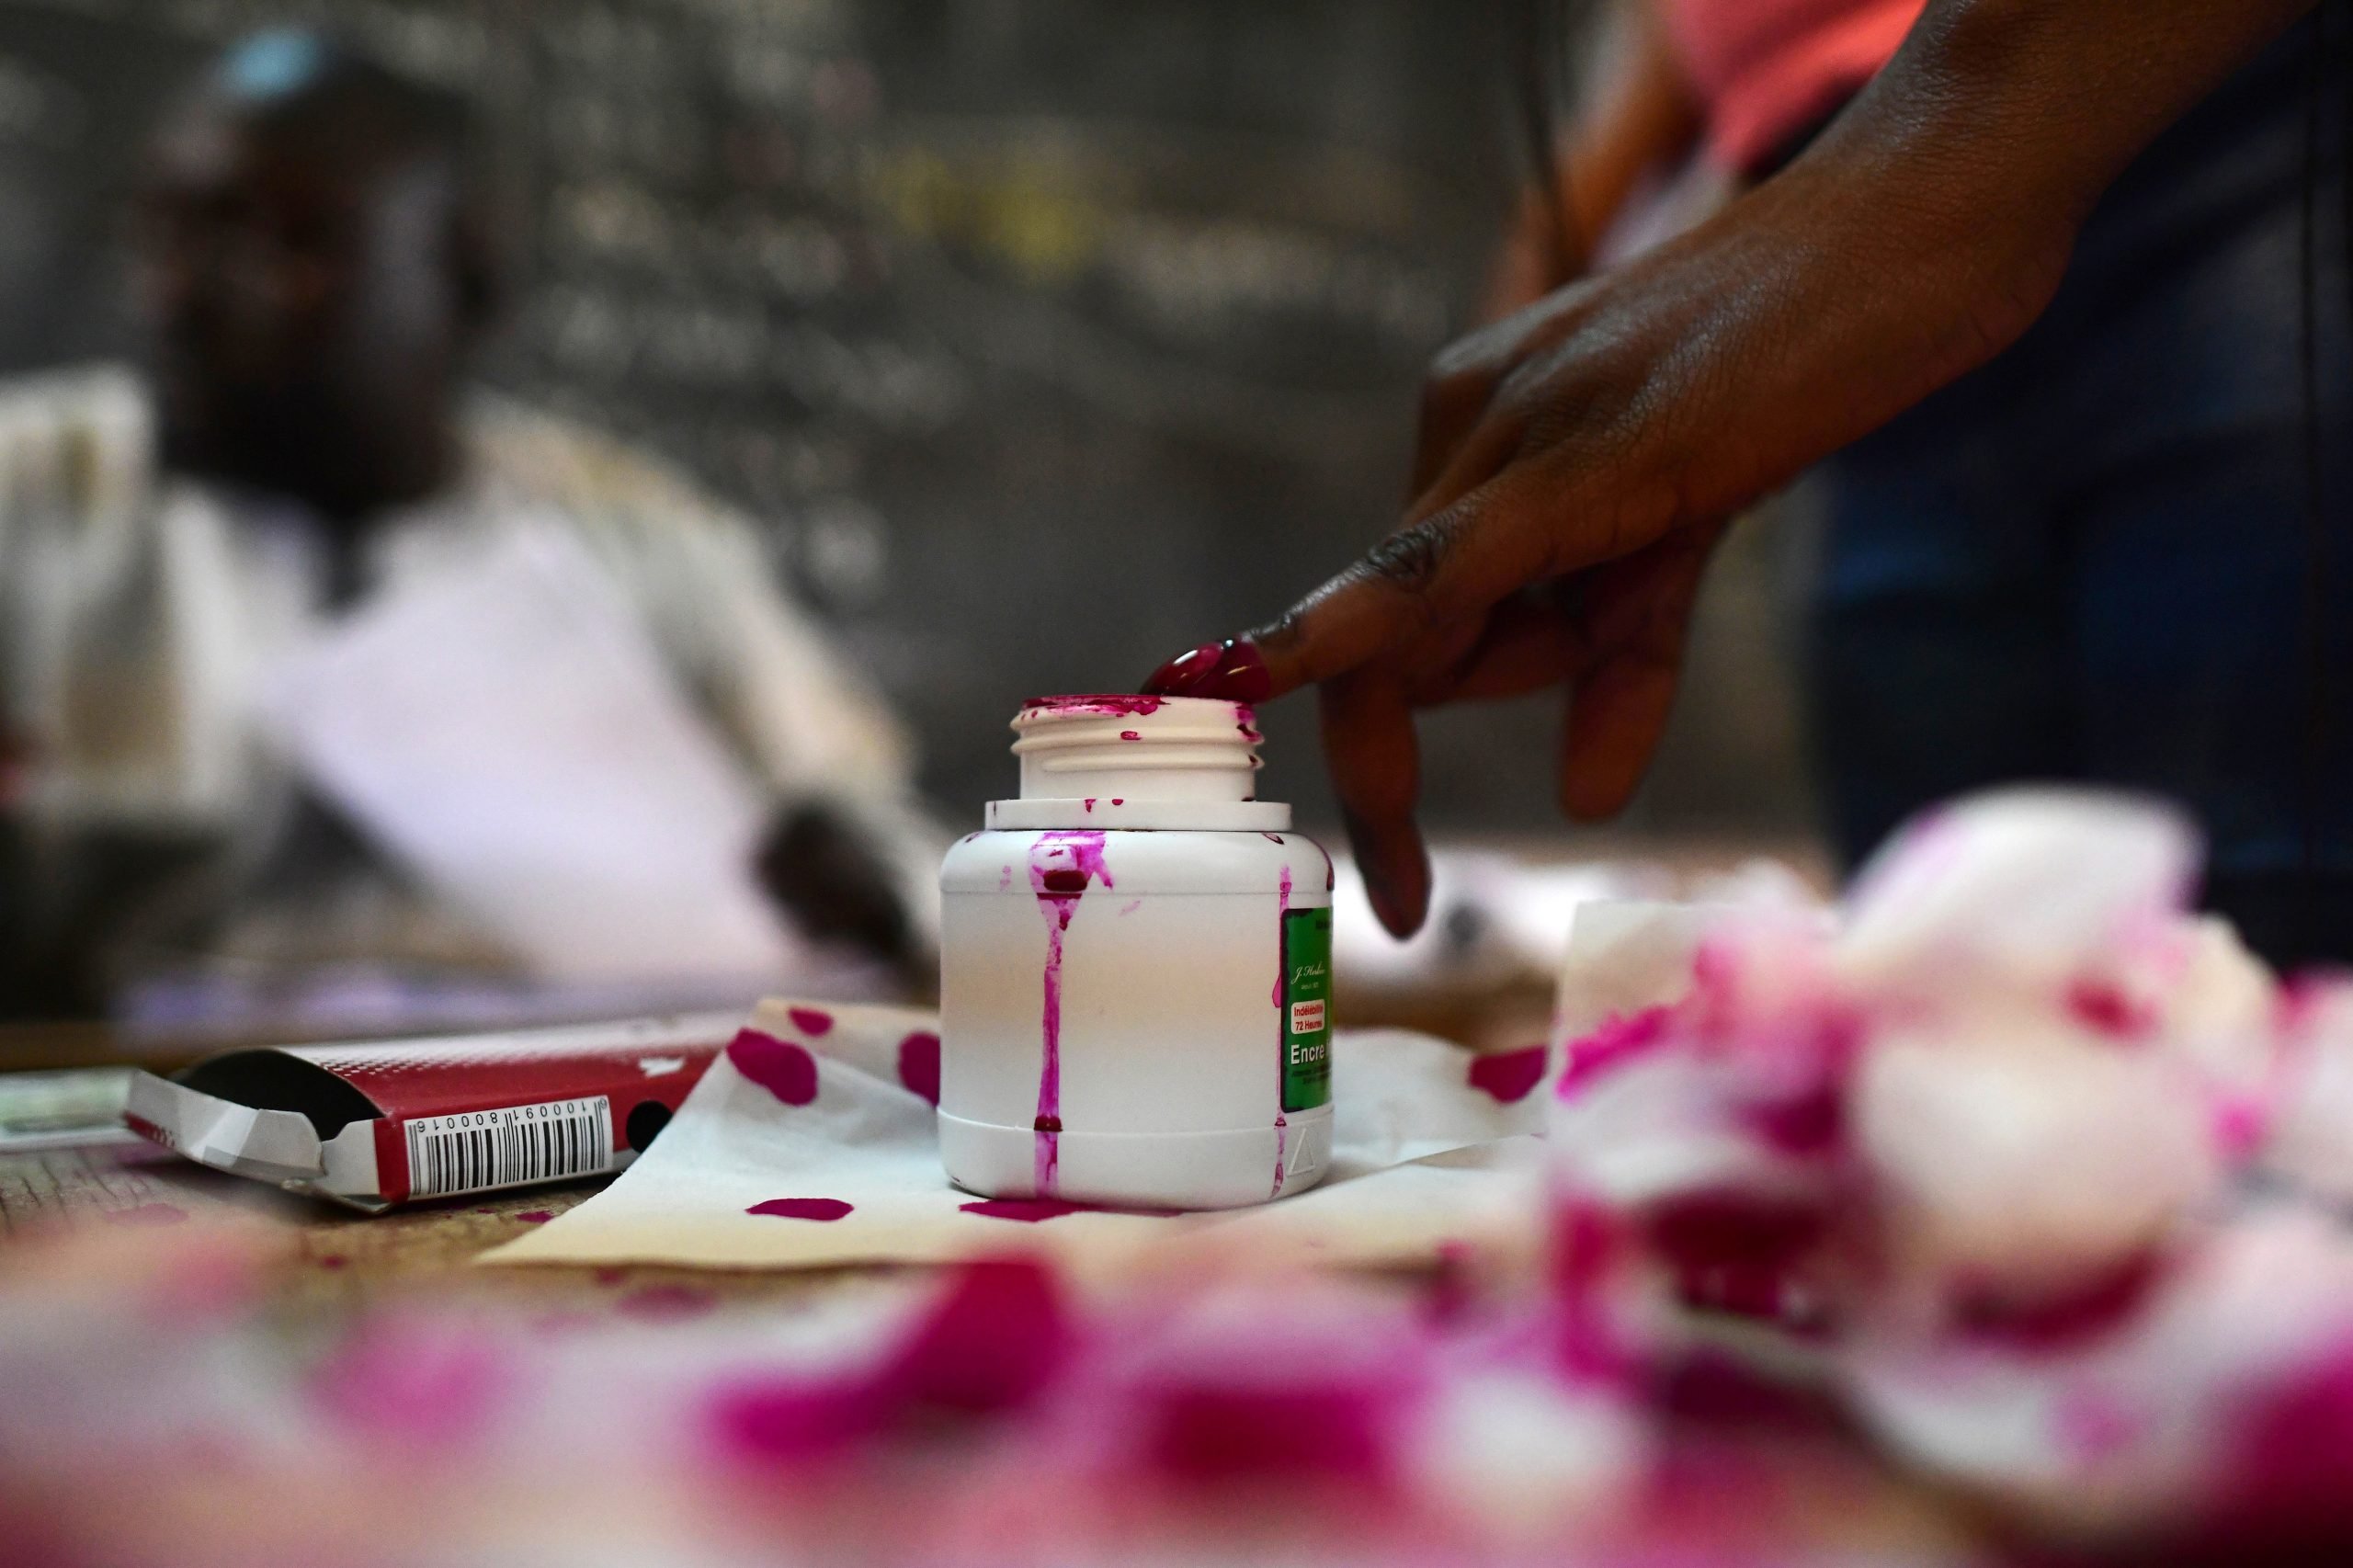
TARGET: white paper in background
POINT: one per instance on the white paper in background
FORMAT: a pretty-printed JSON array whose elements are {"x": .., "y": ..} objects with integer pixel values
[
  {"x": 1422, "y": 1158},
  {"x": 510, "y": 733},
  {"x": 1626, "y": 955},
  {"x": 1493, "y": 920},
  {"x": 1499, "y": 920}
]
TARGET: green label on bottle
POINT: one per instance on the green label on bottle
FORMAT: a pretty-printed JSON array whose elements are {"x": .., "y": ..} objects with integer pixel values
[{"x": 1307, "y": 1008}]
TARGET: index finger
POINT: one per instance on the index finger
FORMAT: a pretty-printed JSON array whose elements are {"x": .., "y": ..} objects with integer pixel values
[{"x": 1455, "y": 562}]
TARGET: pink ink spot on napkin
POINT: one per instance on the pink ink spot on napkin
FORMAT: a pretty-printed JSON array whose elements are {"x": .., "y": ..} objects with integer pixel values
[
  {"x": 992, "y": 1342},
  {"x": 1619, "y": 1040},
  {"x": 2105, "y": 1010},
  {"x": 414, "y": 1384},
  {"x": 1028, "y": 1210},
  {"x": 919, "y": 1064},
  {"x": 1508, "y": 1075},
  {"x": 824, "y": 1209},
  {"x": 1739, "y": 1253},
  {"x": 1714, "y": 1390},
  {"x": 2240, "y": 1127},
  {"x": 2289, "y": 1478},
  {"x": 2093, "y": 1309},
  {"x": 811, "y": 1021},
  {"x": 995, "y": 1339},
  {"x": 2095, "y": 1426},
  {"x": 1333, "y": 1427},
  {"x": 1806, "y": 1125},
  {"x": 667, "y": 1303},
  {"x": 1590, "y": 1245},
  {"x": 2303, "y": 999},
  {"x": 768, "y": 1420},
  {"x": 782, "y": 1068},
  {"x": 535, "y": 1216}
]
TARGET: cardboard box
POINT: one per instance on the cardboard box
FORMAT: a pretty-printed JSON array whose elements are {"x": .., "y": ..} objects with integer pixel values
[{"x": 381, "y": 1123}]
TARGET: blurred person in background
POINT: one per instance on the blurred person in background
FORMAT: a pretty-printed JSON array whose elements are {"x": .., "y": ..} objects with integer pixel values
[
  {"x": 317, "y": 255},
  {"x": 2039, "y": 282}
]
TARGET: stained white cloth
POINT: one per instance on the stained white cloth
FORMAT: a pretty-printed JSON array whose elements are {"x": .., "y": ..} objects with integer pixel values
[{"x": 1423, "y": 1159}]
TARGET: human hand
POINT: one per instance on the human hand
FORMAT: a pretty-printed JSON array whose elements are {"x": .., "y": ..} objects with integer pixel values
[
  {"x": 1592, "y": 444},
  {"x": 1579, "y": 458}
]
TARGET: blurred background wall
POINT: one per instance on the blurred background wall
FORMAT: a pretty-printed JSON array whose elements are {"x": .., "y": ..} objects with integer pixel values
[{"x": 1050, "y": 336}]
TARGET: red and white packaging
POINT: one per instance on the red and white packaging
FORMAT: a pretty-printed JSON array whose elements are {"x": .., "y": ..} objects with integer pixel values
[{"x": 379, "y": 1123}]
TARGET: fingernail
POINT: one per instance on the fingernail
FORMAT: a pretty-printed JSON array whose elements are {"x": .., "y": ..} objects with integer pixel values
[{"x": 1233, "y": 671}]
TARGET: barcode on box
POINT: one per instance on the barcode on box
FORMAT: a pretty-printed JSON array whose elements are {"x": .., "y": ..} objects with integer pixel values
[{"x": 477, "y": 1150}]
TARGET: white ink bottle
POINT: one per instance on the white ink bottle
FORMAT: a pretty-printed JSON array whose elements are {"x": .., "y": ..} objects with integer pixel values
[{"x": 1135, "y": 986}]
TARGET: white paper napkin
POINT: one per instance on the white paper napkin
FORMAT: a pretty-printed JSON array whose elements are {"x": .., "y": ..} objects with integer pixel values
[{"x": 829, "y": 1157}]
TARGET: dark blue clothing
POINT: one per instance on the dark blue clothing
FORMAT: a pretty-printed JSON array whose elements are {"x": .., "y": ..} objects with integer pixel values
[{"x": 2096, "y": 559}]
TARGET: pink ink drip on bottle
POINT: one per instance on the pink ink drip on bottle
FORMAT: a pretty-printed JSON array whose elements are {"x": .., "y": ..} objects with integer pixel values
[
  {"x": 1061, "y": 865},
  {"x": 1126, "y": 1051},
  {"x": 1282, "y": 914}
]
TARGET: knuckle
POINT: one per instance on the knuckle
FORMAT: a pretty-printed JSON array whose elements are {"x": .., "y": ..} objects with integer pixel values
[
  {"x": 1473, "y": 361},
  {"x": 1412, "y": 558}
]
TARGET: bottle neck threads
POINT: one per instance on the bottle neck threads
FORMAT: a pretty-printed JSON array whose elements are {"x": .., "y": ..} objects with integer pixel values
[{"x": 1117, "y": 761}]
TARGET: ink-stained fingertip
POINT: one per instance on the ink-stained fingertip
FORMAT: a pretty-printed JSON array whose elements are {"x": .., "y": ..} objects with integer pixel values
[{"x": 1231, "y": 671}]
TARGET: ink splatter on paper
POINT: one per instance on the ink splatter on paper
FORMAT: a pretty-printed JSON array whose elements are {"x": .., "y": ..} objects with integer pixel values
[
  {"x": 822, "y": 1209},
  {"x": 1508, "y": 1075},
  {"x": 782, "y": 1068}
]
